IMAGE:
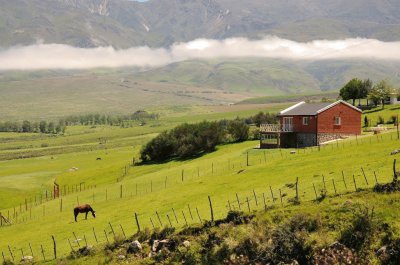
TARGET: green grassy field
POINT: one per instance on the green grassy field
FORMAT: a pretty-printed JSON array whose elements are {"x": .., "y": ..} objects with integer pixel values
[{"x": 147, "y": 189}]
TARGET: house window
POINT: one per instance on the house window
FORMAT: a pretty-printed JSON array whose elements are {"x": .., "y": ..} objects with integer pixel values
[
  {"x": 338, "y": 121},
  {"x": 305, "y": 120}
]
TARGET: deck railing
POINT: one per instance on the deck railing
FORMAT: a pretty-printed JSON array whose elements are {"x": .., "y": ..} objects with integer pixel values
[{"x": 276, "y": 127}]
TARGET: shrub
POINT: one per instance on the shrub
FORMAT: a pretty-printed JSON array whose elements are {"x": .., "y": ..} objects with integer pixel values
[
  {"x": 360, "y": 232},
  {"x": 391, "y": 254},
  {"x": 381, "y": 120}
]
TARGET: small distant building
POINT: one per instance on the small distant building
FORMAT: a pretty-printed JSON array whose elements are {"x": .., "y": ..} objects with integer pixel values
[
  {"x": 394, "y": 98},
  {"x": 310, "y": 124}
]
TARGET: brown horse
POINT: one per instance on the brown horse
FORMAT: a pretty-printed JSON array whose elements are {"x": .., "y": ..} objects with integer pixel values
[{"x": 84, "y": 209}]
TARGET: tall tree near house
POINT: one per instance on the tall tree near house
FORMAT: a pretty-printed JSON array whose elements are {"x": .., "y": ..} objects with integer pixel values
[
  {"x": 380, "y": 92},
  {"x": 364, "y": 90},
  {"x": 351, "y": 90}
]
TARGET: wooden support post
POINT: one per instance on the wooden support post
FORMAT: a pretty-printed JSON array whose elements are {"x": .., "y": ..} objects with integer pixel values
[
  {"x": 105, "y": 233},
  {"x": 84, "y": 237},
  {"x": 355, "y": 184},
  {"x": 237, "y": 198},
  {"x": 365, "y": 177},
  {"x": 280, "y": 195},
  {"x": 344, "y": 181},
  {"x": 265, "y": 203},
  {"x": 211, "y": 209},
  {"x": 55, "y": 247},
  {"x": 376, "y": 179},
  {"x": 176, "y": 218},
  {"x": 297, "y": 188},
  {"x": 122, "y": 229},
  {"x": 184, "y": 217},
  {"x": 159, "y": 219},
  {"x": 76, "y": 239},
  {"x": 43, "y": 255},
  {"x": 95, "y": 236},
  {"x": 272, "y": 194},
  {"x": 182, "y": 174},
  {"x": 394, "y": 171},
  {"x": 120, "y": 193},
  {"x": 248, "y": 203},
  {"x": 323, "y": 180},
  {"x": 169, "y": 220},
  {"x": 11, "y": 253},
  {"x": 315, "y": 191},
  {"x": 70, "y": 245},
  {"x": 30, "y": 247},
  {"x": 112, "y": 229},
  {"x": 255, "y": 197},
  {"x": 197, "y": 210},
  {"x": 190, "y": 212},
  {"x": 334, "y": 186},
  {"x": 152, "y": 223}
]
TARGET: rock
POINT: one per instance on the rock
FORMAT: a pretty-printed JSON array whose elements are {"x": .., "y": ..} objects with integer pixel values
[
  {"x": 134, "y": 247},
  {"x": 121, "y": 257},
  {"x": 158, "y": 245},
  {"x": 186, "y": 243},
  {"x": 27, "y": 258},
  {"x": 394, "y": 152},
  {"x": 381, "y": 251}
]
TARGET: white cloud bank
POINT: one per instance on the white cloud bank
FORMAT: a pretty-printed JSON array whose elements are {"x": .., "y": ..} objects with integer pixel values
[{"x": 59, "y": 56}]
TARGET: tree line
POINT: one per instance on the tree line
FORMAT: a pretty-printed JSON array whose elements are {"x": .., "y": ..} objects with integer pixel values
[
  {"x": 188, "y": 140},
  {"x": 57, "y": 127},
  {"x": 365, "y": 89}
]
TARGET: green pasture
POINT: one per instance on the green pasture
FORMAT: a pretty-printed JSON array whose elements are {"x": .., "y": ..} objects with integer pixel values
[{"x": 117, "y": 190}]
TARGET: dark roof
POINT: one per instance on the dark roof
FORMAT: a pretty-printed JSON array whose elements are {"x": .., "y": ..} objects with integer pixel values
[{"x": 303, "y": 108}]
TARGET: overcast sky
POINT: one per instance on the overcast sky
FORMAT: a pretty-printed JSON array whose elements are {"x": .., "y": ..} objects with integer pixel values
[{"x": 60, "y": 56}]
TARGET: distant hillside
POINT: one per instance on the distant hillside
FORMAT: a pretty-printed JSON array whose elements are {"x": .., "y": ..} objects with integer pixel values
[
  {"x": 49, "y": 94},
  {"x": 124, "y": 23}
]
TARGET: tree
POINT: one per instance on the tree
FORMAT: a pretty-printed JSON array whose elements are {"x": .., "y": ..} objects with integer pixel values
[
  {"x": 364, "y": 90},
  {"x": 380, "y": 92},
  {"x": 238, "y": 130},
  {"x": 351, "y": 90},
  {"x": 26, "y": 126},
  {"x": 43, "y": 127}
]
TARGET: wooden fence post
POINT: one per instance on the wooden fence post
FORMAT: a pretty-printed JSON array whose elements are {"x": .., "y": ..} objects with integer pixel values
[
  {"x": 95, "y": 237},
  {"x": 176, "y": 218},
  {"x": 84, "y": 237},
  {"x": 112, "y": 229},
  {"x": 182, "y": 174},
  {"x": 265, "y": 204},
  {"x": 297, "y": 188},
  {"x": 61, "y": 206},
  {"x": 355, "y": 184},
  {"x": 323, "y": 180},
  {"x": 184, "y": 217},
  {"x": 334, "y": 186},
  {"x": 247, "y": 160},
  {"x": 123, "y": 232},
  {"x": 315, "y": 191},
  {"x": 159, "y": 219},
  {"x": 280, "y": 194},
  {"x": 30, "y": 247},
  {"x": 105, "y": 233},
  {"x": 255, "y": 197},
  {"x": 169, "y": 220},
  {"x": 272, "y": 194},
  {"x": 365, "y": 177},
  {"x": 11, "y": 253},
  {"x": 55, "y": 247},
  {"x": 394, "y": 171},
  {"x": 190, "y": 212},
  {"x": 197, "y": 210},
  {"x": 248, "y": 203},
  {"x": 211, "y": 209},
  {"x": 376, "y": 179},
  {"x": 152, "y": 223},
  {"x": 76, "y": 239},
  {"x": 120, "y": 194},
  {"x": 44, "y": 256},
  {"x": 344, "y": 181},
  {"x": 137, "y": 222},
  {"x": 237, "y": 198}
]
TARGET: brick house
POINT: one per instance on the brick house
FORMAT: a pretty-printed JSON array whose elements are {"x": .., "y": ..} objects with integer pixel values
[{"x": 310, "y": 124}]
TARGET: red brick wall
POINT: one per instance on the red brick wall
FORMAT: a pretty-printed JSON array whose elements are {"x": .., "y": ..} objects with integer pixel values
[
  {"x": 350, "y": 120},
  {"x": 298, "y": 124}
]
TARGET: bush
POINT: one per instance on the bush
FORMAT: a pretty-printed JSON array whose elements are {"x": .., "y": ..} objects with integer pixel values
[
  {"x": 391, "y": 254},
  {"x": 381, "y": 120}
]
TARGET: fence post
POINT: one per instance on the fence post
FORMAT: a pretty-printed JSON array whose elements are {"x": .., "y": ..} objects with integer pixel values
[
  {"x": 76, "y": 239},
  {"x": 169, "y": 220},
  {"x": 376, "y": 179},
  {"x": 365, "y": 177},
  {"x": 255, "y": 197},
  {"x": 344, "y": 181},
  {"x": 84, "y": 237},
  {"x": 120, "y": 194},
  {"x": 280, "y": 195},
  {"x": 159, "y": 219},
  {"x": 44, "y": 257},
  {"x": 394, "y": 171},
  {"x": 248, "y": 203},
  {"x": 137, "y": 222},
  {"x": 152, "y": 224},
  {"x": 182, "y": 174},
  {"x": 197, "y": 210},
  {"x": 272, "y": 194},
  {"x": 112, "y": 229},
  {"x": 237, "y": 198},
  {"x": 11, "y": 253},
  {"x": 123, "y": 232},
  {"x": 176, "y": 218},
  {"x": 323, "y": 180},
  {"x": 95, "y": 237},
  {"x": 334, "y": 186},
  {"x": 354, "y": 180},
  {"x": 211, "y": 208},
  {"x": 297, "y": 189},
  {"x": 30, "y": 247},
  {"x": 265, "y": 204},
  {"x": 105, "y": 233},
  {"x": 184, "y": 217},
  {"x": 315, "y": 191},
  {"x": 55, "y": 247},
  {"x": 247, "y": 160}
]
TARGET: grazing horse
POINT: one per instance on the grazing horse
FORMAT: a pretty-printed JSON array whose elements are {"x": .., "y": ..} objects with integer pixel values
[{"x": 84, "y": 209}]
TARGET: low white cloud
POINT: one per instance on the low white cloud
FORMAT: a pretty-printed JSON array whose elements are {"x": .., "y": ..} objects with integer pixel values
[{"x": 60, "y": 56}]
